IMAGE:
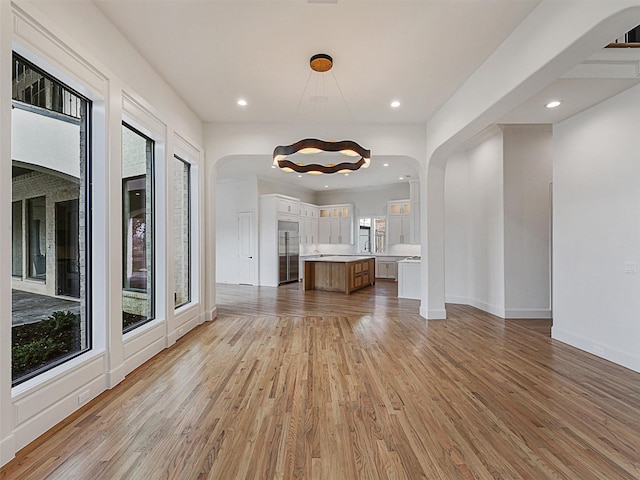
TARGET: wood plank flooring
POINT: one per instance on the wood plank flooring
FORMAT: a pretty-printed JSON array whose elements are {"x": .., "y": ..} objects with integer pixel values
[{"x": 287, "y": 384}]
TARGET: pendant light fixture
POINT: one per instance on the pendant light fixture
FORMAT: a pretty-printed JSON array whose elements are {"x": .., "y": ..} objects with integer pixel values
[{"x": 321, "y": 63}]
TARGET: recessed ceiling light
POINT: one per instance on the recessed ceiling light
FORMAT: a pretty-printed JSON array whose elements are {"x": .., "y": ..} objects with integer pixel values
[
  {"x": 346, "y": 174},
  {"x": 400, "y": 178},
  {"x": 273, "y": 166},
  {"x": 326, "y": 186},
  {"x": 385, "y": 164},
  {"x": 553, "y": 104},
  {"x": 299, "y": 176},
  {"x": 395, "y": 104},
  {"x": 242, "y": 102}
]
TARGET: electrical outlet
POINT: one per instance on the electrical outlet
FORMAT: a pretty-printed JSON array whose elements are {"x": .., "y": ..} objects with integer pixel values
[
  {"x": 84, "y": 397},
  {"x": 630, "y": 267}
]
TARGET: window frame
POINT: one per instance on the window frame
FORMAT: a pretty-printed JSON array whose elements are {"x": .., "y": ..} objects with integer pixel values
[
  {"x": 152, "y": 291},
  {"x": 86, "y": 190},
  {"x": 189, "y": 210}
]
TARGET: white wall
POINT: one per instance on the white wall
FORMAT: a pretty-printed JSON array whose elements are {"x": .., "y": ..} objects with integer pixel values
[
  {"x": 231, "y": 198},
  {"x": 80, "y": 47},
  {"x": 497, "y": 222},
  {"x": 527, "y": 220},
  {"x": 486, "y": 226},
  {"x": 596, "y": 230},
  {"x": 268, "y": 187},
  {"x": 457, "y": 206},
  {"x": 474, "y": 225},
  {"x": 557, "y": 36}
]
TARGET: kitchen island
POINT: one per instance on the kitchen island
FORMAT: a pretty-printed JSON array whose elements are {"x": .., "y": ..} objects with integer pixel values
[{"x": 339, "y": 273}]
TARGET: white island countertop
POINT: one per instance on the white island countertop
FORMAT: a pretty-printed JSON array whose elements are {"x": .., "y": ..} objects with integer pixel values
[
  {"x": 416, "y": 259},
  {"x": 339, "y": 258}
]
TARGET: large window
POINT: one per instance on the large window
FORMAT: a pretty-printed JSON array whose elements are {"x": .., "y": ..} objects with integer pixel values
[
  {"x": 50, "y": 222},
  {"x": 138, "y": 303},
  {"x": 372, "y": 234},
  {"x": 182, "y": 231}
]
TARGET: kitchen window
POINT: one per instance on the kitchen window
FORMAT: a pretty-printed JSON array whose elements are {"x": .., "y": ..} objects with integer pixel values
[{"x": 372, "y": 234}]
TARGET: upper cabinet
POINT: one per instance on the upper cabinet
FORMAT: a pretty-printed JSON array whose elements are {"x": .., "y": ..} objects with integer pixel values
[
  {"x": 308, "y": 224},
  {"x": 403, "y": 218},
  {"x": 399, "y": 219},
  {"x": 336, "y": 224},
  {"x": 288, "y": 205}
]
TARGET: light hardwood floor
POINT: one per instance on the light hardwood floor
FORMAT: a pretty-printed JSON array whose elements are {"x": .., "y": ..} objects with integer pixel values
[{"x": 292, "y": 384}]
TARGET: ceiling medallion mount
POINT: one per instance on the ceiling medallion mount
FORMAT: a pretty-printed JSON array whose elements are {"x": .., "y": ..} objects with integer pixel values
[{"x": 321, "y": 62}]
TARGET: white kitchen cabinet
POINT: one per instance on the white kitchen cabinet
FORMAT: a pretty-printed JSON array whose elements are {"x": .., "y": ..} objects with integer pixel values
[
  {"x": 288, "y": 205},
  {"x": 308, "y": 224},
  {"x": 399, "y": 219},
  {"x": 387, "y": 267},
  {"x": 409, "y": 279},
  {"x": 335, "y": 224}
]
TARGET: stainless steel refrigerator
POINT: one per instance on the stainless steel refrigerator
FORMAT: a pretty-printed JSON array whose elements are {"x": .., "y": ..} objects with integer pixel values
[{"x": 288, "y": 251}]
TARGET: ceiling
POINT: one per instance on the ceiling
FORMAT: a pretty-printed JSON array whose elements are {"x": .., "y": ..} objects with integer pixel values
[{"x": 418, "y": 52}]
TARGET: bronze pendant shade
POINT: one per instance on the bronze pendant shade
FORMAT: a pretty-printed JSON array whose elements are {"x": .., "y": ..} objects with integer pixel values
[
  {"x": 321, "y": 63},
  {"x": 313, "y": 145}
]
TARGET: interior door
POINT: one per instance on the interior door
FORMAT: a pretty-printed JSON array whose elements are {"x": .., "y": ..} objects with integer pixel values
[{"x": 246, "y": 248}]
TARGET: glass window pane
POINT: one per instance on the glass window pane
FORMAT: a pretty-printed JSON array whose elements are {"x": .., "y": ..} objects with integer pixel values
[
  {"x": 50, "y": 234},
  {"x": 37, "y": 237},
  {"x": 182, "y": 229},
  {"x": 380, "y": 228},
  {"x": 16, "y": 239},
  {"x": 364, "y": 235},
  {"x": 138, "y": 243}
]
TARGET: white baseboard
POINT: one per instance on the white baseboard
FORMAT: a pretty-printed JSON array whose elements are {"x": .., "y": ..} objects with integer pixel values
[
  {"x": 433, "y": 314},
  {"x": 516, "y": 313},
  {"x": 524, "y": 313},
  {"x": 437, "y": 314},
  {"x": 211, "y": 314},
  {"x": 485, "y": 307},
  {"x": 456, "y": 299},
  {"x": 596, "y": 348},
  {"x": 492, "y": 309},
  {"x": 39, "y": 422},
  {"x": 115, "y": 376},
  {"x": 7, "y": 449}
]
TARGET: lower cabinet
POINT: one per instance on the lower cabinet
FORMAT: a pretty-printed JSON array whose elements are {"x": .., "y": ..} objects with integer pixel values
[
  {"x": 409, "y": 279},
  {"x": 387, "y": 267},
  {"x": 361, "y": 274}
]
